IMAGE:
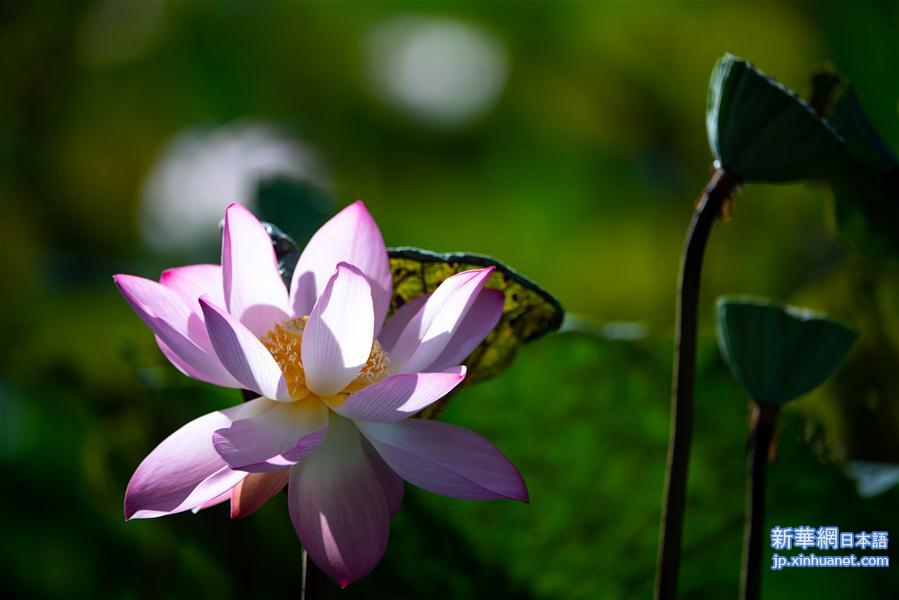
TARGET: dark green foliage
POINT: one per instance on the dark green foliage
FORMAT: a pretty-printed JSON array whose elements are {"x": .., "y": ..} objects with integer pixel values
[
  {"x": 298, "y": 206},
  {"x": 761, "y": 131},
  {"x": 779, "y": 352},
  {"x": 579, "y": 176},
  {"x": 866, "y": 186}
]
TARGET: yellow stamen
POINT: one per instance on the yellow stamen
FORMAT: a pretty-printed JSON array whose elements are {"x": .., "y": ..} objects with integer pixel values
[
  {"x": 285, "y": 342},
  {"x": 376, "y": 368}
]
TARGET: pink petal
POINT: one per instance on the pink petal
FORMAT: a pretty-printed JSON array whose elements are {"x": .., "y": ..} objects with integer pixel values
[
  {"x": 283, "y": 435},
  {"x": 400, "y": 396},
  {"x": 337, "y": 340},
  {"x": 245, "y": 357},
  {"x": 398, "y": 321},
  {"x": 253, "y": 289},
  {"x": 446, "y": 459},
  {"x": 249, "y": 495},
  {"x": 483, "y": 316},
  {"x": 192, "y": 281},
  {"x": 185, "y": 471},
  {"x": 390, "y": 481},
  {"x": 176, "y": 326},
  {"x": 338, "y": 506},
  {"x": 429, "y": 332},
  {"x": 216, "y": 501},
  {"x": 188, "y": 370},
  {"x": 351, "y": 236}
]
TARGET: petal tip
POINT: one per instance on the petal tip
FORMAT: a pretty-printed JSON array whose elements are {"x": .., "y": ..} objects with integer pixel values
[
  {"x": 131, "y": 510},
  {"x": 206, "y": 303},
  {"x": 359, "y": 208},
  {"x": 123, "y": 279},
  {"x": 237, "y": 209},
  {"x": 206, "y": 306},
  {"x": 521, "y": 492},
  {"x": 478, "y": 275},
  {"x": 343, "y": 265},
  {"x": 524, "y": 496},
  {"x": 128, "y": 505}
]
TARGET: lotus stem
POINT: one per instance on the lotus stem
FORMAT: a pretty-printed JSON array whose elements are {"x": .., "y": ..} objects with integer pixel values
[
  {"x": 719, "y": 188},
  {"x": 761, "y": 432},
  {"x": 313, "y": 580}
]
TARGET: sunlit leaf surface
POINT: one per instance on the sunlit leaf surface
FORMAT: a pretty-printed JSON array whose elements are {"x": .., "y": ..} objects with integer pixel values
[
  {"x": 760, "y": 130},
  {"x": 529, "y": 312}
]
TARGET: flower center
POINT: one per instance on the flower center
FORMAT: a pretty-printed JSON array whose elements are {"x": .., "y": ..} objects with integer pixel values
[
  {"x": 285, "y": 342},
  {"x": 376, "y": 368}
]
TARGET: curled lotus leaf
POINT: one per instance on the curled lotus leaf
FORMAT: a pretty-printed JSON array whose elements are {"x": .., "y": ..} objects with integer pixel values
[
  {"x": 779, "y": 352},
  {"x": 759, "y": 130},
  {"x": 529, "y": 312}
]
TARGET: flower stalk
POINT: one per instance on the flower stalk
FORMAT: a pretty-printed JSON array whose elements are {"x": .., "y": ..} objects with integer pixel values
[
  {"x": 314, "y": 580},
  {"x": 777, "y": 353},
  {"x": 761, "y": 433},
  {"x": 720, "y": 187}
]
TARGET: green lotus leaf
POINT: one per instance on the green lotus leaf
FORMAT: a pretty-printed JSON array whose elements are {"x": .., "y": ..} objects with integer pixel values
[
  {"x": 761, "y": 131},
  {"x": 866, "y": 187},
  {"x": 529, "y": 311},
  {"x": 779, "y": 352}
]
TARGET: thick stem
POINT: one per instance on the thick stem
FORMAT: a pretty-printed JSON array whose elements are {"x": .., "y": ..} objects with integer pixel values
[
  {"x": 313, "y": 580},
  {"x": 761, "y": 432},
  {"x": 720, "y": 187}
]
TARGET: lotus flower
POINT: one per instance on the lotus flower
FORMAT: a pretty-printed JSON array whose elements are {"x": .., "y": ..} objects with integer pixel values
[{"x": 335, "y": 388}]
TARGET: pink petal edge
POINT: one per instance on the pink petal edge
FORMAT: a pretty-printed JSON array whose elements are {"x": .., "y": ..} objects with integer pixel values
[
  {"x": 282, "y": 436},
  {"x": 446, "y": 459},
  {"x": 252, "y": 287},
  {"x": 245, "y": 357},
  {"x": 399, "y": 397},
  {"x": 430, "y": 331},
  {"x": 337, "y": 340},
  {"x": 353, "y": 237},
  {"x": 255, "y": 490},
  {"x": 184, "y": 471},
  {"x": 339, "y": 506}
]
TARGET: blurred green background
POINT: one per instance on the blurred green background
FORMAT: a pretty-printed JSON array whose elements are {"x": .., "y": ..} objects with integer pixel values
[{"x": 566, "y": 139}]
